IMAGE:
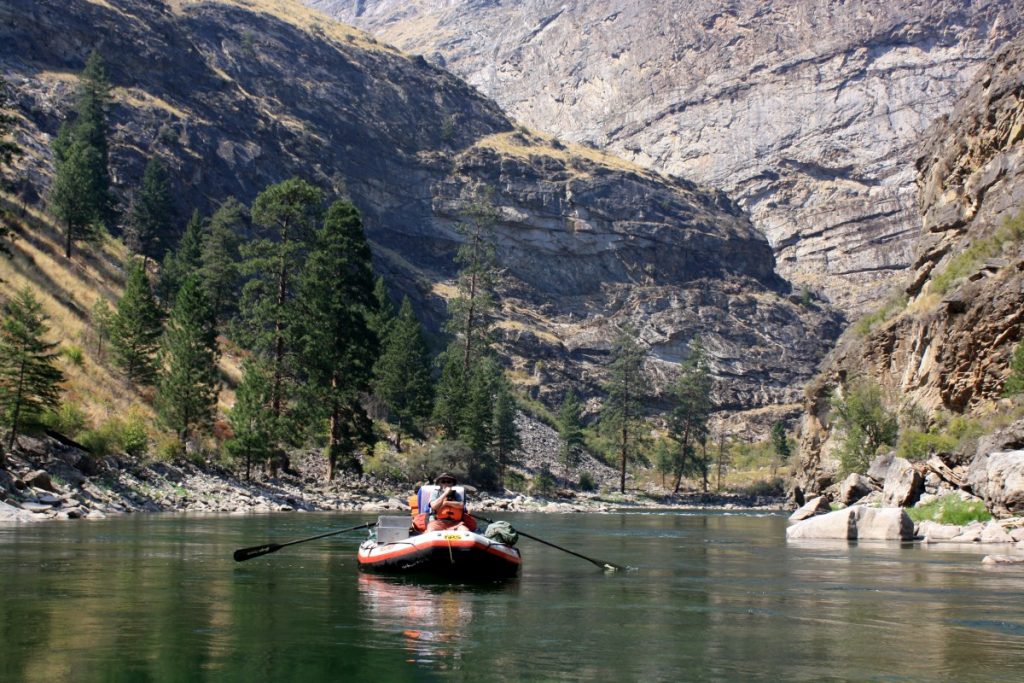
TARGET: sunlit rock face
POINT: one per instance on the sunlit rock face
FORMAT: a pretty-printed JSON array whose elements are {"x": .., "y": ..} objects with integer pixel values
[
  {"x": 805, "y": 112},
  {"x": 948, "y": 349}
]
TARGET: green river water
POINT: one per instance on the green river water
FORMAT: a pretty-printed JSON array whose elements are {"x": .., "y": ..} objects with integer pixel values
[{"x": 714, "y": 597}]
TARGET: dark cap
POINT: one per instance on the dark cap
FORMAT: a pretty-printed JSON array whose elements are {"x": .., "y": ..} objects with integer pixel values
[{"x": 445, "y": 477}]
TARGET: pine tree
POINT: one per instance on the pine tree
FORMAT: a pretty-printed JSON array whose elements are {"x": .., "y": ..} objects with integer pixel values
[
  {"x": 252, "y": 419},
  {"x": 688, "y": 424},
  {"x": 151, "y": 219},
  {"x": 383, "y": 315},
  {"x": 189, "y": 378},
  {"x": 102, "y": 319},
  {"x": 780, "y": 441},
  {"x": 29, "y": 377},
  {"x": 402, "y": 374},
  {"x": 570, "y": 432},
  {"x": 506, "y": 434},
  {"x": 623, "y": 418},
  {"x": 338, "y": 349},
  {"x": 80, "y": 195},
  {"x": 470, "y": 312},
  {"x": 219, "y": 257},
  {"x": 136, "y": 327},
  {"x": 284, "y": 218},
  {"x": 183, "y": 261}
]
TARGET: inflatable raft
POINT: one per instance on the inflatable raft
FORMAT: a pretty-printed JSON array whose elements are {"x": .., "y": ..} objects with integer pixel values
[{"x": 455, "y": 553}]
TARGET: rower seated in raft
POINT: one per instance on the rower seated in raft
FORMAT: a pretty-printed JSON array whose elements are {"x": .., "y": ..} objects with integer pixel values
[{"x": 441, "y": 506}]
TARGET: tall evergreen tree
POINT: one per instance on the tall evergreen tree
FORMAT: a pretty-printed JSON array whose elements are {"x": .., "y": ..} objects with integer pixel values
[
  {"x": 505, "y": 439},
  {"x": 470, "y": 312},
  {"x": 688, "y": 425},
  {"x": 183, "y": 261},
  {"x": 151, "y": 219},
  {"x": 338, "y": 349},
  {"x": 570, "y": 433},
  {"x": 285, "y": 217},
  {"x": 219, "y": 257},
  {"x": 136, "y": 327},
  {"x": 780, "y": 442},
  {"x": 80, "y": 195},
  {"x": 383, "y": 314},
  {"x": 189, "y": 379},
  {"x": 402, "y": 374},
  {"x": 252, "y": 418},
  {"x": 29, "y": 377},
  {"x": 623, "y": 417}
]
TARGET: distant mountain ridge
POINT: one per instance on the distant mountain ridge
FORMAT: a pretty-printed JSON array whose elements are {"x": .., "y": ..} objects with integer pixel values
[
  {"x": 236, "y": 94},
  {"x": 807, "y": 113}
]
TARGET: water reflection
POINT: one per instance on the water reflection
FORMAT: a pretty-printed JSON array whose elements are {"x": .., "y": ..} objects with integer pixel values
[{"x": 435, "y": 620}]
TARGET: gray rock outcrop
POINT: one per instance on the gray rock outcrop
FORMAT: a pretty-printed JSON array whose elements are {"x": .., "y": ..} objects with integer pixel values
[
  {"x": 806, "y": 112},
  {"x": 998, "y": 479},
  {"x": 812, "y": 508},
  {"x": 948, "y": 349},
  {"x": 903, "y": 484},
  {"x": 855, "y": 487}
]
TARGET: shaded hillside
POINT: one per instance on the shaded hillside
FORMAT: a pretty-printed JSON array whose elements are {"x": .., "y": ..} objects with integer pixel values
[
  {"x": 236, "y": 95},
  {"x": 805, "y": 112},
  {"x": 948, "y": 349}
]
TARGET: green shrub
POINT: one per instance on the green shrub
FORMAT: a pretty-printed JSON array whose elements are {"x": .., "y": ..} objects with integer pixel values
[
  {"x": 68, "y": 419},
  {"x": 386, "y": 464},
  {"x": 968, "y": 261},
  {"x": 951, "y": 509},
  {"x": 73, "y": 353},
  {"x": 514, "y": 481},
  {"x": 866, "y": 423},
  {"x": 917, "y": 445},
  {"x": 769, "y": 488},
  {"x": 543, "y": 483},
  {"x": 891, "y": 307},
  {"x": 168, "y": 448},
  {"x": 97, "y": 442},
  {"x": 587, "y": 482}
]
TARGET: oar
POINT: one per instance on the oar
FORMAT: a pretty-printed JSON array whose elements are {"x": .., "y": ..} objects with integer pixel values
[
  {"x": 243, "y": 554},
  {"x": 609, "y": 566}
]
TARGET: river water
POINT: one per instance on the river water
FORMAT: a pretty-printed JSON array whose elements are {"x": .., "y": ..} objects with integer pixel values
[{"x": 714, "y": 597}]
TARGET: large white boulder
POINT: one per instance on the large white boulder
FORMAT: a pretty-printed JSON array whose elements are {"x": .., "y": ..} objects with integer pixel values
[
  {"x": 855, "y": 487},
  {"x": 840, "y": 524},
  {"x": 884, "y": 524},
  {"x": 998, "y": 478},
  {"x": 856, "y": 523}
]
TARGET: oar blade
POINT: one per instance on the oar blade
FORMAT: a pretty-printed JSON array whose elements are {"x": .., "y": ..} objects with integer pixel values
[{"x": 243, "y": 554}]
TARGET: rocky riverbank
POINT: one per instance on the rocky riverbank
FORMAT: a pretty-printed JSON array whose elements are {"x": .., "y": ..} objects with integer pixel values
[{"x": 48, "y": 480}]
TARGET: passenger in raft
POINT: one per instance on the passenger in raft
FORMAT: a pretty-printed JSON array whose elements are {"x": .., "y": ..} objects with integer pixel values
[{"x": 446, "y": 506}]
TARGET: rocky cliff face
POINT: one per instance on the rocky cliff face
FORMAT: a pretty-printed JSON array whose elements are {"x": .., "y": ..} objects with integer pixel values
[
  {"x": 805, "y": 112},
  {"x": 235, "y": 95},
  {"x": 949, "y": 348}
]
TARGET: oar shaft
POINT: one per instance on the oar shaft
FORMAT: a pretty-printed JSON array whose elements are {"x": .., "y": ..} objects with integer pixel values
[
  {"x": 599, "y": 563},
  {"x": 243, "y": 554}
]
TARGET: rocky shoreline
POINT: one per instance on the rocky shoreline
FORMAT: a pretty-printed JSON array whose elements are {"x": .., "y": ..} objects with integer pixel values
[{"x": 46, "y": 480}]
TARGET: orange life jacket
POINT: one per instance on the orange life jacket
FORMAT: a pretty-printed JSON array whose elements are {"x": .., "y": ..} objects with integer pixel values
[{"x": 451, "y": 510}]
